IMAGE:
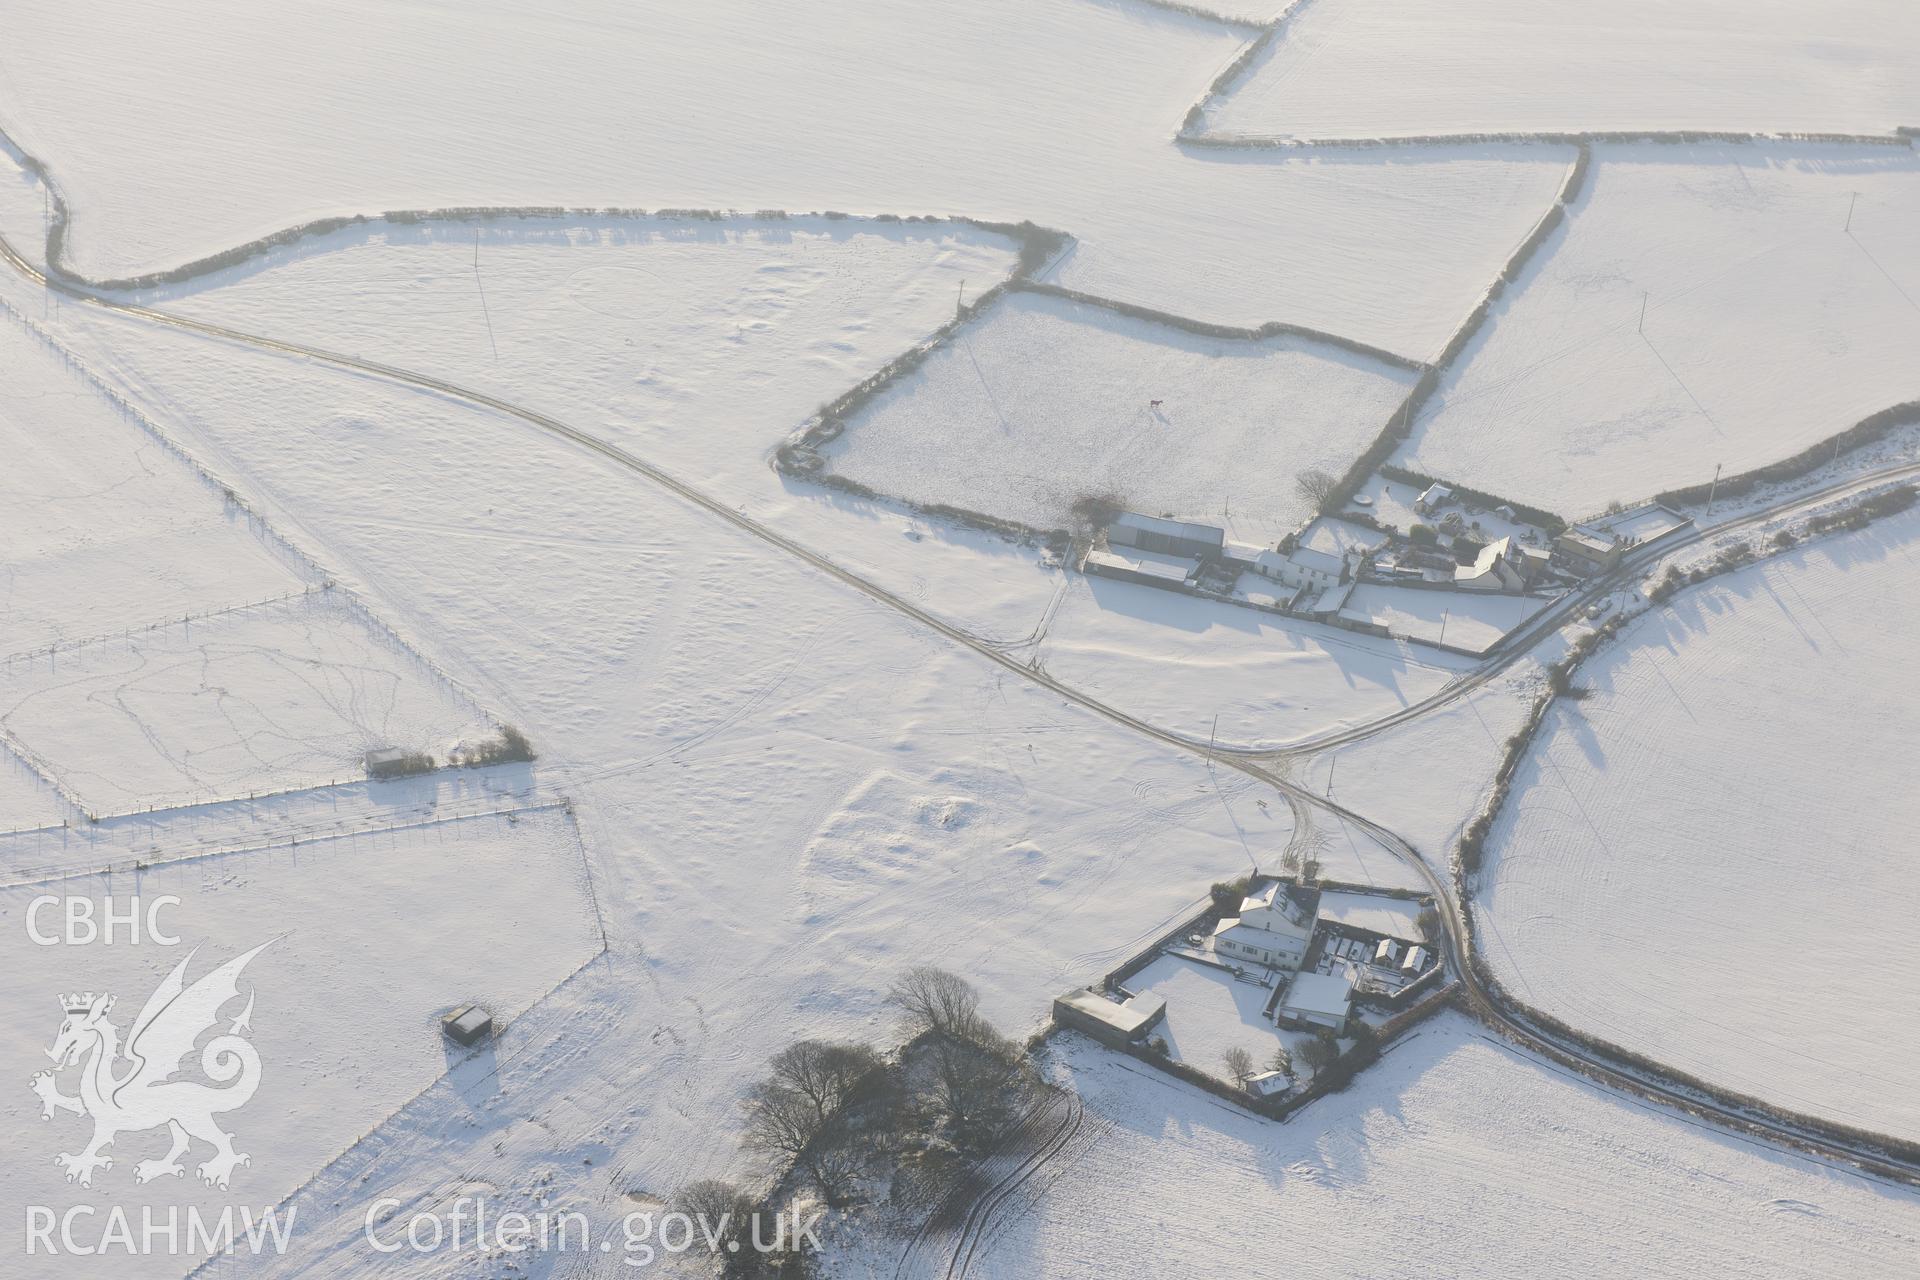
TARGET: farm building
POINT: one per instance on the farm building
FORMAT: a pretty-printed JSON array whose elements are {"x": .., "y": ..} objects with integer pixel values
[
  {"x": 1168, "y": 537},
  {"x": 1318, "y": 1000},
  {"x": 1109, "y": 1020},
  {"x": 1268, "y": 1084},
  {"x": 1587, "y": 551},
  {"x": 1597, "y": 545},
  {"x": 1154, "y": 552}
]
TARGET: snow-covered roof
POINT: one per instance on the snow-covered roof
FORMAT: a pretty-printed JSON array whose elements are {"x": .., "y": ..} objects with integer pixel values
[
  {"x": 1331, "y": 599},
  {"x": 1272, "y": 894},
  {"x": 1436, "y": 493},
  {"x": 1268, "y": 1083},
  {"x": 1317, "y": 561},
  {"x": 1133, "y": 522},
  {"x": 1152, "y": 564},
  {"x": 1328, "y": 994},
  {"x": 1591, "y": 537},
  {"x": 1128, "y": 1017}
]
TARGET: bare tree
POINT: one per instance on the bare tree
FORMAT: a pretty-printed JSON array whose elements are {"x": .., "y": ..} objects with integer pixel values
[
  {"x": 933, "y": 1001},
  {"x": 725, "y": 1217},
  {"x": 1239, "y": 1064},
  {"x": 1282, "y": 1061},
  {"x": 785, "y": 1127},
  {"x": 827, "y": 1074},
  {"x": 979, "y": 1077},
  {"x": 1316, "y": 486},
  {"x": 1319, "y": 1051}
]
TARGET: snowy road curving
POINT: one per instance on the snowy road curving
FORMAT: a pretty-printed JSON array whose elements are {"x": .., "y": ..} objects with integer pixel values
[{"x": 1514, "y": 1020}]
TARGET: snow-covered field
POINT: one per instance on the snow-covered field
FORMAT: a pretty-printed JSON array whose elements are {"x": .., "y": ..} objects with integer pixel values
[
  {"x": 102, "y": 528},
  {"x": 372, "y": 937},
  {"x": 1455, "y": 1156},
  {"x": 27, "y": 799},
  {"x": 1465, "y": 620},
  {"x": 789, "y": 743},
  {"x": 1044, "y": 401},
  {"x": 1205, "y": 668},
  {"x": 1771, "y": 322},
  {"x": 730, "y": 334},
  {"x": 178, "y": 131},
  {"x": 1707, "y": 860},
  {"x": 268, "y": 698},
  {"x": 1378, "y": 68},
  {"x": 699, "y": 344},
  {"x": 693, "y": 689}
]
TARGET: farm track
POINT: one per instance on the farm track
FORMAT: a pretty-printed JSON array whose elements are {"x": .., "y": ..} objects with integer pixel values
[
  {"x": 1513, "y": 1020},
  {"x": 965, "y": 1215}
]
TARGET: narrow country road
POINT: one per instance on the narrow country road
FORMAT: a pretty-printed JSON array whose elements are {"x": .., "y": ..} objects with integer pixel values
[{"x": 1492, "y": 1005}]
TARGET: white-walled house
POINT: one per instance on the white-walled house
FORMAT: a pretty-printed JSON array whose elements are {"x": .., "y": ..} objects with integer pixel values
[
  {"x": 1500, "y": 566},
  {"x": 1304, "y": 567},
  {"x": 1271, "y": 929}
]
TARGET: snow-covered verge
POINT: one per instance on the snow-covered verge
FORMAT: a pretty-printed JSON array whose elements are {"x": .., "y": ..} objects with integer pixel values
[
  {"x": 371, "y": 938},
  {"x": 1373, "y": 68},
  {"x": 1044, "y": 401},
  {"x": 1703, "y": 861},
  {"x": 1700, "y": 306},
  {"x": 176, "y": 134},
  {"x": 1454, "y": 1155}
]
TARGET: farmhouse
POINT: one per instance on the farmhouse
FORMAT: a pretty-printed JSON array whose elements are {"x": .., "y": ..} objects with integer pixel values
[
  {"x": 1500, "y": 566},
  {"x": 1318, "y": 1000},
  {"x": 1272, "y": 929},
  {"x": 1304, "y": 567}
]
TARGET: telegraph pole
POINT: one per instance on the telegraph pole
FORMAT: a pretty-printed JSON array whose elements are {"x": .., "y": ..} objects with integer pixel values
[
  {"x": 1714, "y": 486},
  {"x": 1641, "y": 328},
  {"x": 1852, "y": 199}
]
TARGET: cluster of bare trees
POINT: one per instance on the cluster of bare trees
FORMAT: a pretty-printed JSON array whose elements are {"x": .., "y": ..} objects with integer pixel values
[
  {"x": 972, "y": 1083},
  {"x": 803, "y": 1116},
  {"x": 830, "y": 1114}
]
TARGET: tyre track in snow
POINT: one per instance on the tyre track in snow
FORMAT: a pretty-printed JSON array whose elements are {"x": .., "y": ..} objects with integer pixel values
[{"x": 1493, "y": 1006}]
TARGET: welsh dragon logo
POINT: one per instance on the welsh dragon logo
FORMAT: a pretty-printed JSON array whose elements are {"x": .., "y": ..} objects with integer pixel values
[{"x": 125, "y": 1090}]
